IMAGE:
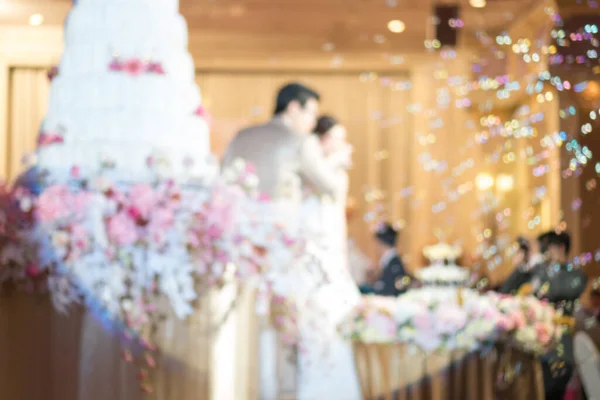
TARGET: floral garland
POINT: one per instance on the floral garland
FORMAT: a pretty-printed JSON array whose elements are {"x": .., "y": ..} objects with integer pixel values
[
  {"x": 431, "y": 322},
  {"x": 135, "y": 66},
  {"x": 122, "y": 249},
  {"x": 444, "y": 321}
]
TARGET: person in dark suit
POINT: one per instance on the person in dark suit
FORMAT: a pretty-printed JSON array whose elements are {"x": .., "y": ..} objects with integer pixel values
[
  {"x": 561, "y": 283},
  {"x": 526, "y": 264},
  {"x": 393, "y": 279}
]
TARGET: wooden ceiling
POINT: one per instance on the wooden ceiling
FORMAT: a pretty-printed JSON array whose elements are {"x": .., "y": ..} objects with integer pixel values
[{"x": 252, "y": 27}]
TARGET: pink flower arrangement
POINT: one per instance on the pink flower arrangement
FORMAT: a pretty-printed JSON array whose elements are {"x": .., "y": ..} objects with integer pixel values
[
  {"x": 125, "y": 247},
  {"x": 527, "y": 322},
  {"x": 439, "y": 321},
  {"x": 59, "y": 202}
]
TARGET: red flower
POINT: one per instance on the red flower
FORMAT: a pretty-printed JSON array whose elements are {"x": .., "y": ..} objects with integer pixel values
[
  {"x": 134, "y": 67},
  {"x": 115, "y": 65},
  {"x": 155, "y": 68},
  {"x": 47, "y": 139},
  {"x": 134, "y": 213},
  {"x": 32, "y": 271},
  {"x": 202, "y": 112},
  {"x": 52, "y": 73}
]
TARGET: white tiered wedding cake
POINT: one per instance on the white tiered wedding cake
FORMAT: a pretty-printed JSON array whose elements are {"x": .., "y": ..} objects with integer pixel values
[
  {"x": 124, "y": 98},
  {"x": 442, "y": 271}
]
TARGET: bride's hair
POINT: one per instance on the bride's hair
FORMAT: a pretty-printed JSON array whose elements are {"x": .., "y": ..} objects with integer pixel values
[{"x": 324, "y": 124}]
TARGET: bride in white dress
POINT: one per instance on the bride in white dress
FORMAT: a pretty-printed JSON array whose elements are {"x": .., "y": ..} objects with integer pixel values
[{"x": 325, "y": 362}]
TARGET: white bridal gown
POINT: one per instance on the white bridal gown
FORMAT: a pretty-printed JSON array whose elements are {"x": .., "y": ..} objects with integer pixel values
[{"x": 325, "y": 361}]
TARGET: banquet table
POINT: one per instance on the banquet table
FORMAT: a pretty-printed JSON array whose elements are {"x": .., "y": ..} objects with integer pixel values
[
  {"x": 401, "y": 373},
  {"x": 45, "y": 355}
]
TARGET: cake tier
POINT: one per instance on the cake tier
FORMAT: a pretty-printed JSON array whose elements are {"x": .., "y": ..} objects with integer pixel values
[
  {"x": 93, "y": 39},
  {"x": 149, "y": 93},
  {"x": 125, "y": 95},
  {"x": 446, "y": 275},
  {"x": 166, "y": 6},
  {"x": 127, "y": 140},
  {"x": 84, "y": 60}
]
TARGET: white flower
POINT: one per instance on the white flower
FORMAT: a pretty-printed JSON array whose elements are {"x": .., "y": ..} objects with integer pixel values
[
  {"x": 526, "y": 335},
  {"x": 238, "y": 165},
  {"x": 406, "y": 310},
  {"x": 407, "y": 333},
  {"x": 252, "y": 181},
  {"x": 26, "y": 204}
]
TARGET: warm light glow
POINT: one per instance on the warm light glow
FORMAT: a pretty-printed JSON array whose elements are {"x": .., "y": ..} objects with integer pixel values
[
  {"x": 477, "y": 3},
  {"x": 36, "y": 20},
  {"x": 505, "y": 183},
  {"x": 396, "y": 26},
  {"x": 484, "y": 181}
]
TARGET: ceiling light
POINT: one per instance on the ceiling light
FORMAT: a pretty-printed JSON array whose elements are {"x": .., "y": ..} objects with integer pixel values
[
  {"x": 477, "y": 3},
  {"x": 484, "y": 181},
  {"x": 396, "y": 26},
  {"x": 36, "y": 20}
]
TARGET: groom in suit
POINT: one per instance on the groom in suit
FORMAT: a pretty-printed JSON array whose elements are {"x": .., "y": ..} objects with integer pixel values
[
  {"x": 282, "y": 150},
  {"x": 287, "y": 159}
]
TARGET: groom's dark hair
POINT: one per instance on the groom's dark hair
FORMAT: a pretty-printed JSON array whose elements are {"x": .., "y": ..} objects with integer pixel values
[{"x": 294, "y": 92}]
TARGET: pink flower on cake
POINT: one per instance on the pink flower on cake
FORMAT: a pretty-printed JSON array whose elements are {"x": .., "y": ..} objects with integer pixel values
[
  {"x": 52, "y": 73},
  {"x": 47, "y": 139},
  {"x": 122, "y": 230},
  {"x": 202, "y": 112},
  {"x": 155, "y": 68},
  {"x": 115, "y": 65},
  {"x": 75, "y": 172},
  {"x": 134, "y": 67}
]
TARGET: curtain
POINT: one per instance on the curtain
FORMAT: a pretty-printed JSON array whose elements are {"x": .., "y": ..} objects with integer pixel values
[{"x": 28, "y": 102}]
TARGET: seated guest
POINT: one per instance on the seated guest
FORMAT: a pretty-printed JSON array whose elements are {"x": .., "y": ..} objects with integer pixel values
[
  {"x": 561, "y": 283},
  {"x": 392, "y": 277},
  {"x": 525, "y": 263}
]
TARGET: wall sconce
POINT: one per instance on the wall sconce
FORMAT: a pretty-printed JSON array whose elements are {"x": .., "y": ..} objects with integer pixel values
[
  {"x": 484, "y": 182},
  {"x": 505, "y": 183}
]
